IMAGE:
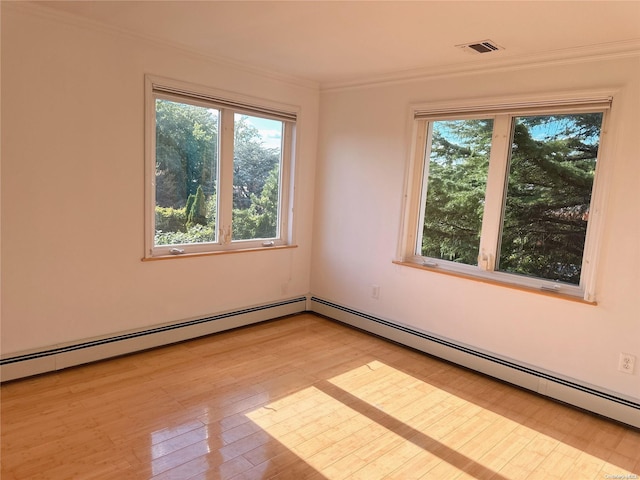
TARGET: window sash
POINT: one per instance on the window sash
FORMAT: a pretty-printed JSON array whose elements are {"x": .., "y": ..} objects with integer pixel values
[
  {"x": 227, "y": 108},
  {"x": 424, "y": 199},
  {"x": 495, "y": 196}
]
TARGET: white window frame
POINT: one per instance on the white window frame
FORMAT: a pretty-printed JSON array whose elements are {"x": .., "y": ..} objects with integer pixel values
[
  {"x": 502, "y": 111},
  {"x": 228, "y": 104}
]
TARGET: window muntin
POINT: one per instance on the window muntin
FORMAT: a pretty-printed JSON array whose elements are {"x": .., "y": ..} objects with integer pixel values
[
  {"x": 490, "y": 264},
  {"x": 218, "y": 172}
]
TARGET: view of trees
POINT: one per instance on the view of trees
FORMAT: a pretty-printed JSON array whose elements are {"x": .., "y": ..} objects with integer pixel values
[
  {"x": 187, "y": 170},
  {"x": 550, "y": 179},
  {"x": 455, "y": 195},
  {"x": 546, "y": 204},
  {"x": 256, "y": 173}
]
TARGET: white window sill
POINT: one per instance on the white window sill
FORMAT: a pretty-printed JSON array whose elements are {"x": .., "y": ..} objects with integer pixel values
[
  {"x": 558, "y": 295},
  {"x": 217, "y": 252}
]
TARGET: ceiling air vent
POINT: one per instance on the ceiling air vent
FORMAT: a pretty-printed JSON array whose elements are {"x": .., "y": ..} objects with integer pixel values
[{"x": 485, "y": 46}]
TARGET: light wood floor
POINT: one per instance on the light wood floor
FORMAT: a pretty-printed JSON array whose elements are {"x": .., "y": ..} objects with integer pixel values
[{"x": 301, "y": 397}]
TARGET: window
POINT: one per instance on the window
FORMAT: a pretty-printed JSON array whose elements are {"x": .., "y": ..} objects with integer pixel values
[
  {"x": 219, "y": 171},
  {"x": 506, "y": 193}
]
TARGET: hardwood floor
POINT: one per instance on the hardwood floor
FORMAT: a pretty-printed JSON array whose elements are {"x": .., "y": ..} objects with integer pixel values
[{"x": 296, "y": 398}]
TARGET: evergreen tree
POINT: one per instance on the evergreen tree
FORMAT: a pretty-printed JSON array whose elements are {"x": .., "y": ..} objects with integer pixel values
[
  {"x": 457, "y": 185},
  {"x": 550, "y": 178},
  {"x": 198, "y": 213},
  {"x": 189, "y": 205},
  {"x": 548, "y": 195}
]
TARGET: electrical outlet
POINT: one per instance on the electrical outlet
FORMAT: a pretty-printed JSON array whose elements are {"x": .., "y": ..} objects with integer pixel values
[
  {"x": 626, "y": 363},
  {"x": 375, "y": 291}
]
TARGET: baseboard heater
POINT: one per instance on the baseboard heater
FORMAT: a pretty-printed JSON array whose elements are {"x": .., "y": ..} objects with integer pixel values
[
  {"x": 61, "y": 356},
  {"x": 566, "y": 390}
]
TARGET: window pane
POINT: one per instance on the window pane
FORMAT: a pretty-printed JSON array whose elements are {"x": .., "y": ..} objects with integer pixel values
[
  {"x": 457, "y": 179},
  {"x": 552, "y": 167},
  {"x": 256, "y": 177},
  {"x": 186, "y": 173}
]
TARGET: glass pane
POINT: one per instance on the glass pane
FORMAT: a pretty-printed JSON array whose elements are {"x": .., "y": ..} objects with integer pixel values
[
  {"x": 186, "y": 173},
  {"x": 552, "y": 166},
  {"x": 458, "y": 166},
  {"x": 256, "y": 177}
]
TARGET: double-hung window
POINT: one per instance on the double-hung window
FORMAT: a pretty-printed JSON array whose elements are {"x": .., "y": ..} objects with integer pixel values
[
  {"x": 506, "y": 193},
  {"x": 218, "y": 171}
]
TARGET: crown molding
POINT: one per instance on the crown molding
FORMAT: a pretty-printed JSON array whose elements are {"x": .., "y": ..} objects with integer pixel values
[
  {"x": 585, "y": 54},
  {"x": 43, "y": 10},
  {"x": 592, "y": 53}
]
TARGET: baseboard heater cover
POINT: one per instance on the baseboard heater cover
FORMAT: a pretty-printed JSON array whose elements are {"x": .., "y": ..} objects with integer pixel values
[
  {"x": 566, "y": 390},
  {"x": 57, "y": 357}
]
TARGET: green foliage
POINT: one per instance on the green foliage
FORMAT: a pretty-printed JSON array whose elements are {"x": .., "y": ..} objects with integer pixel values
[
  {"x": 198, "y": 213},
  {"x": 170, "y": 219},
  {"x": 551, "y": 174},
  {"x": 457, "y": 183},
  {"x": 172, "y": 229},
  {"x": 548, "y": 196},
  {"x": 186, "y": 151},
  {"x": 260, "y": 220},
  {"x": 252, "y": 163},
  {"x": 189, "y": 205},
  {"x": 186, "y": 169},
  {"x": 194, "y": 234},
  {"x": 212, "y": 208}
]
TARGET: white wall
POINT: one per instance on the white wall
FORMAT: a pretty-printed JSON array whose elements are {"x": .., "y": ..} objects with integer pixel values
[
  {"x": 73, "y": 215},
  {"x": 73, "y": 188},
  {"x": 363, "y": 150}
]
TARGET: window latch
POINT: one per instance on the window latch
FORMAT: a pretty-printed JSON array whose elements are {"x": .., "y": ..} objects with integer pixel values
[
  {"x": 550, "y": 288},
  {"x": 429, "y": 263}
]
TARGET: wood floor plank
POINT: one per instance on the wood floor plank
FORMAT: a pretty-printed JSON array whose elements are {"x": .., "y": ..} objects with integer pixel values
[{"x": 297, "y": 398}]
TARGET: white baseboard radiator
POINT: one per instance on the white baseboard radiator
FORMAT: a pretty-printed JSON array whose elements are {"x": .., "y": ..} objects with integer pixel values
[
  {"x": 570, "y": 391},
  {"x": 57, "y": 357}
]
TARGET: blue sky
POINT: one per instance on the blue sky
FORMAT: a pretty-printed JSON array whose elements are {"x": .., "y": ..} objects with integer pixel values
[{"x": 270, "y": 130}]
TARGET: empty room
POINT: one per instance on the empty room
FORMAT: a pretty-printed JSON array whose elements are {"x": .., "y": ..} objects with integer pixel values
[{"x": 320, "y": 240}]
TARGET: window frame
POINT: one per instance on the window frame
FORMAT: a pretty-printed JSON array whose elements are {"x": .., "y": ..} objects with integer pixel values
[
  {"x": 502, "y": 111},
  {"x": 228, "y": 104}
]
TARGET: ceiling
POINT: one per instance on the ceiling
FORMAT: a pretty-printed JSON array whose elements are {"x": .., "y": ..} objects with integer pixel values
[{"x": 329, "y": 42}]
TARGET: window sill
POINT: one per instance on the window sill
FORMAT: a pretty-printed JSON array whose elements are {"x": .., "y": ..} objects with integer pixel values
[
  {"x": 561, "y": 296},
  {"x": 217, "y": 252}
]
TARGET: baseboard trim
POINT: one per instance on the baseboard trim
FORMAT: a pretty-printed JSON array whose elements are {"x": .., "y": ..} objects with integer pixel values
[
  {"x": 57, "y": 357},
  {"x": 567, "y": 390}
]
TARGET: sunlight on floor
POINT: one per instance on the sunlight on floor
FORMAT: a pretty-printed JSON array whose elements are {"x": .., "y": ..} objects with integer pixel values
[
  {"x": 378, "y": 422},
  {"x": 168, "y": 441}
]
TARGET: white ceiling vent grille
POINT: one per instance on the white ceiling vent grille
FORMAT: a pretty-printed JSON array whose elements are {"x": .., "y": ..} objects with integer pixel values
[{"x": 485, "y": 46}]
